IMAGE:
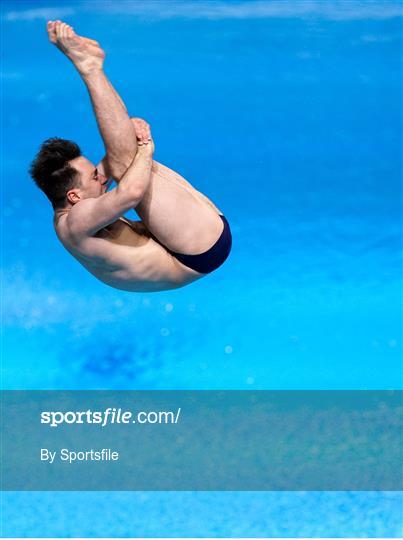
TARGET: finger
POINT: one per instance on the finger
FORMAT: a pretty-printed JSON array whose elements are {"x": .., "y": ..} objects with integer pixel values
[
  {"x": 140, "y": 122},
  {"x": 150, "y": 147},
  {"x": 140, "y": 132},
  {"x": 146, "y": 129}
]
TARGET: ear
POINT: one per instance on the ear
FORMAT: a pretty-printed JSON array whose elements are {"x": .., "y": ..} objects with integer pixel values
[{"x": 73, "y": 196}]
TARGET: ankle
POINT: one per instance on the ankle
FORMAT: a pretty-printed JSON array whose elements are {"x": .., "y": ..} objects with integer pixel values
[{"x": 88, "y": 70}]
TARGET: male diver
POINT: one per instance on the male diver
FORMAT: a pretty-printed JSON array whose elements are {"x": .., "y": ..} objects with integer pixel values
[{"x": 181, "y": 237}]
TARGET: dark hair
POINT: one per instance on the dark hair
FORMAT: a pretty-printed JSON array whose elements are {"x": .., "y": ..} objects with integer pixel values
[{"x": 51, "y": 171}]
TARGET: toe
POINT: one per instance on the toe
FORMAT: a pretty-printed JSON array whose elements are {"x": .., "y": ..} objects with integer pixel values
[{"x": 63, "y": 30}]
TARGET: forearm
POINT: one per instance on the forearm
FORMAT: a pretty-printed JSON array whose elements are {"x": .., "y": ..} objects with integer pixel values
[
  {"x": 136, "y": 179},
  {"x": 115, "y": 126}
]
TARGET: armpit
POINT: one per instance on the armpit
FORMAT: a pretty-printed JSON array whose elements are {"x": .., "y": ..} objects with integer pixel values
[{"x": 138, "y": 227}]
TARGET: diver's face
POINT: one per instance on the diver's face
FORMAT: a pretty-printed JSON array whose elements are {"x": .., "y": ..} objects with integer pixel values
[{"x": 92, "y": 183}]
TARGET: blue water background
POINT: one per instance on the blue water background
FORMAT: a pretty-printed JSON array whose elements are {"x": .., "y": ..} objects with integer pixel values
[{"x": 290, "y": 120}]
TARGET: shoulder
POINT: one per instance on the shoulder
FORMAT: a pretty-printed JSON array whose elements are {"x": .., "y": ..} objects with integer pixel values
[{"x": 70, "y": 226}]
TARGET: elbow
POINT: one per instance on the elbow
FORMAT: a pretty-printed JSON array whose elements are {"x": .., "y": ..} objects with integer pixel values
[{"x": 136, "y": 198}]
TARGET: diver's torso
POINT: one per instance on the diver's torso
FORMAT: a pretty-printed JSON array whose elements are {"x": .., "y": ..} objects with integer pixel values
[{"x": 125, "y": 256}]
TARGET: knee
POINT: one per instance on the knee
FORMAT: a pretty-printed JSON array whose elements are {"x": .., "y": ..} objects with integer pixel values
[{"x": 118, "y": 166}]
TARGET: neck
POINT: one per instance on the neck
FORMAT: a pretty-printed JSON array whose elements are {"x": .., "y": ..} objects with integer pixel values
[{"x": 59, "y": 212}]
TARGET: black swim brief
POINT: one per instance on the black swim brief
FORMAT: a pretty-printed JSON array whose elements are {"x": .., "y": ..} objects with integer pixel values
[{"x": 211, "y": 259}]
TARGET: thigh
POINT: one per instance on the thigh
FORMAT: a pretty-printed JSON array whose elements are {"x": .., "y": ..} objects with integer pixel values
[
  {"x": 178, "y": 215},
  {"x": 174, "y": 177}
]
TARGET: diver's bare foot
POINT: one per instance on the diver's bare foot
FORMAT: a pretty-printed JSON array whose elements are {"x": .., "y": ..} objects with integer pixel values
[{"x": 85, "y": 53}]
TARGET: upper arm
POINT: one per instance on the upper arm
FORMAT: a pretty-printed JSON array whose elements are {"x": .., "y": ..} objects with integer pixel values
[{"x": 90, "y": 215}]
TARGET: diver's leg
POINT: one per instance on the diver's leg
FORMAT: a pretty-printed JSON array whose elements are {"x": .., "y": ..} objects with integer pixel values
[
  {"x": 143, "y": 132},
  {"x": 174, "y": 177},
  {"x": 114, "y": 124},
  {"x": 179, "y": 218},
  {"x": 177, "y": 214}
]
